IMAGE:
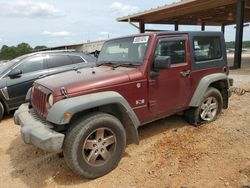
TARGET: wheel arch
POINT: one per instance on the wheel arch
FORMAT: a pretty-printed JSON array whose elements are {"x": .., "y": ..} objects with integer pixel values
[
  {"x": 119, "y": 111},
  {"x": 222, "y": 86},
  {"x": 108, "y": 102},
  {"x": 5, "y": 106},
  {"x": 218, "y": 81}
]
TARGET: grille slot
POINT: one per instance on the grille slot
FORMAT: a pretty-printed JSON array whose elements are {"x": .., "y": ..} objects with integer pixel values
[{"x": 39, "y": 101}]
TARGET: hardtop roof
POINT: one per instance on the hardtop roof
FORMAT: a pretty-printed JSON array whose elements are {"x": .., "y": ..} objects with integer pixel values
[{"x": 193, "y": 33}]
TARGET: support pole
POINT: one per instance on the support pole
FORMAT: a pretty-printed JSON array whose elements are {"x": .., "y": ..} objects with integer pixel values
[
  {"x": 203, "y": 26},
  {"x": 176, "y": 26},
  {"x": 223, "y": 28},
  {"x": 239, "y": 33},
  {"x": 141, "y": 27}
]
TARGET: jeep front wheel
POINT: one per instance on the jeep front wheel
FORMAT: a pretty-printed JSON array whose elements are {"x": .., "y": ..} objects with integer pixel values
[
  {"x": 94, "y": 145},
  {"x": 209, "y": 108}
]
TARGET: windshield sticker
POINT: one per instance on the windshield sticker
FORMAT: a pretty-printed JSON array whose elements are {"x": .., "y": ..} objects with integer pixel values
[{"x": 138, "y": 40}]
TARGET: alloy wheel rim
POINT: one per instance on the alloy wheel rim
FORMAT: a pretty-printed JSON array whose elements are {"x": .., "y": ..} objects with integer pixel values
[
  {"x": 209, "y": 109},
  {"x": 99, "y": 146}
]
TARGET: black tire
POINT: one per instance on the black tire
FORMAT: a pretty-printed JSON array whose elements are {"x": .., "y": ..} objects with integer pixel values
[
  {"x": 1, "y": 111},
  {"x": 194, "y": 114},
  {"x": 77, "y": 137}
]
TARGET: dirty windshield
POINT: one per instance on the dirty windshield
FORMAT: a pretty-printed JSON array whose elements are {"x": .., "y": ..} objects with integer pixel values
[{"x": 129, "y": 50}]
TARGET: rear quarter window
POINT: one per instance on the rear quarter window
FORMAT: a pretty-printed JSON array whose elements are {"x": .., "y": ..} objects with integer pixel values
[
  {"x": 207, "y": 48},
  {"x": 58, "y": 61},
  {"x": 76, "y": 59}
]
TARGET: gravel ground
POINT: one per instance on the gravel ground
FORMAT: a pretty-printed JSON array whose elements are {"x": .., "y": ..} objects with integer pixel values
[{"x": 171, "y": 153}]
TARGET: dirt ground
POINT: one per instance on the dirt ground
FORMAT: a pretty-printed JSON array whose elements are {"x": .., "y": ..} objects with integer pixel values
[{"x": 171, "y": 153}]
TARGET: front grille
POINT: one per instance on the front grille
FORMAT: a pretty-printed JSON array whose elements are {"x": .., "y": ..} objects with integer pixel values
[{"x": 39, "y": 101}]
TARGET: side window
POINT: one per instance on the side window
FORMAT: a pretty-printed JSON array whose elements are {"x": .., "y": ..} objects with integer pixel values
[
  {"x": 176, "y": 49},
  {"x": 76, "y": 59},
  {"x": 32, "y": 64},
  {"x": 58, "y": 61},
  {"x": 207, "y": 48}
]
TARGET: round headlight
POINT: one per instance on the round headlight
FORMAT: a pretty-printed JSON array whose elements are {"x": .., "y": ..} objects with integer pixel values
[{"x": 51, "y": 99}]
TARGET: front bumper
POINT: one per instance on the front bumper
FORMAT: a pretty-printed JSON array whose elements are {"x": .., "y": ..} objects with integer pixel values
[{"x": 36, "y": 131}]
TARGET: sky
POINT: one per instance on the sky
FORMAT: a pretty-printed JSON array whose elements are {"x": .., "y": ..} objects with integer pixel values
[{"x": 57, "y": 22}]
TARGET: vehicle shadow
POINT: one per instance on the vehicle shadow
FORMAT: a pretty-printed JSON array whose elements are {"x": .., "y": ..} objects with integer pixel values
[
  {"x": 166, "y": 124},
  {"x": 8, "y": 116},
  {"x": 39, "y": 169}
]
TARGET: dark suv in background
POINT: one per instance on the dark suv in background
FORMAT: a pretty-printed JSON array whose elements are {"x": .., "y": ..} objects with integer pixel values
[{"x": 18, "y": 75}]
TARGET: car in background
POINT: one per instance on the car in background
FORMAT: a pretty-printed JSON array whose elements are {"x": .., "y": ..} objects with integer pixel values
[
  {"x": 18, "y": 75},
  {"x": 3, "y": 62}
]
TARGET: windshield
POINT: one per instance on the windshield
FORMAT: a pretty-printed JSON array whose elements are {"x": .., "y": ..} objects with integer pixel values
[
  {"x": 129, "y": 50},
  {"x": 6, "y": 66}
]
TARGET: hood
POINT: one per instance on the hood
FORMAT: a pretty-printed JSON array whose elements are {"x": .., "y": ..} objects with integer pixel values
[{"x": 88, "y": 79}]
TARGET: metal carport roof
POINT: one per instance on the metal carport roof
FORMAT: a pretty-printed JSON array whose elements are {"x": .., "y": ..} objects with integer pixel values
[{"x": 198, "y": 12}]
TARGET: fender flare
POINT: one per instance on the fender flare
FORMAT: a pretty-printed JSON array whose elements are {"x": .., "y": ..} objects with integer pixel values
[
  {"x": 77, "y": 104},
  {"x": 203, "y": 86}
]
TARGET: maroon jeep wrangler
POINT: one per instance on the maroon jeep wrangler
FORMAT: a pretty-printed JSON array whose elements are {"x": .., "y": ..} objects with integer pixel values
[{"x": 91, "y": 114}]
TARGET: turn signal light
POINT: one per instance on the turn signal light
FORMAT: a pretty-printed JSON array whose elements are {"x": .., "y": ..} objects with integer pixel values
[{"x": 67, "y": 116}]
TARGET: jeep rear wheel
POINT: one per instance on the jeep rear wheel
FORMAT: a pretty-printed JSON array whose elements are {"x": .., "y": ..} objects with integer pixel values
[
  {"x": 209, "y": 108},
  {"x": 94, "y": 145},
  {"x": 1, "y": 111}
]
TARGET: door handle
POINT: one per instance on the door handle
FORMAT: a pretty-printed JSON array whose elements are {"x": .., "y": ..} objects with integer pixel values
[
  {"x": 185, "y": 73},
  {"x": 42, "y": 76}
]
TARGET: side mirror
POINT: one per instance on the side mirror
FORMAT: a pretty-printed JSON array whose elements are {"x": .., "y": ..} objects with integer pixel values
[
  {"x": 96, "y": 54},
  {"x": 15, "y": 73},
  {"x": 162, "y": 62}
]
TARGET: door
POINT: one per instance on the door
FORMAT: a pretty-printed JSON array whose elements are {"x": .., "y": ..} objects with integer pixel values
[
  {"x": 169, "y": 92},
  {"x": 32, "y": 69}
]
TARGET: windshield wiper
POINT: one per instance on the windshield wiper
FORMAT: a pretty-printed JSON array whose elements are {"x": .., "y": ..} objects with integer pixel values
[
  {"x": 117, "y": 64},
  {"x": 105, "y": 63},
  {"x": 125, "y": 64}
]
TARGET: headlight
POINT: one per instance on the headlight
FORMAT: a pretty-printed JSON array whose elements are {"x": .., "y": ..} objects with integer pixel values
[
  {"x": 28, "y": 95},
  {"x": 32, "y": 92},
  {"x": 51, "y": 99},
  {"x": 32, "y": 89}
]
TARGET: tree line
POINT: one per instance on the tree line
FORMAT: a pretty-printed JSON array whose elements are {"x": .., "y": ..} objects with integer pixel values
[
  {"x": 245, "y": 44},
  {"x": 11, "y": 52}
]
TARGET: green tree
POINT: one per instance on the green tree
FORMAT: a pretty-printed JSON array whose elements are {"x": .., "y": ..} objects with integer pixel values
[
  {"x": 22, "y": 49},
  {"x": 11, "y": 52},
  {"x": 41, "y": 47},
  {"x": 8, "y": 52}
]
